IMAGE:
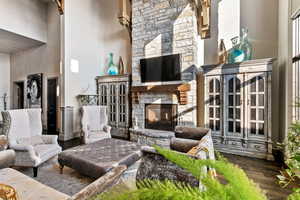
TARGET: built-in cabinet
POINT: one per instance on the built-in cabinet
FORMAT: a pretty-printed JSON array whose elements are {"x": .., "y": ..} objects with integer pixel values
[
  {"x": 114, "y": 92},
  {"x": 238, "y": 107}
]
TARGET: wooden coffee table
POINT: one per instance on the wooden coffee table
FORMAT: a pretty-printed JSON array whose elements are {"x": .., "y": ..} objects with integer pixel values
[{"x": 27, "y": 188}]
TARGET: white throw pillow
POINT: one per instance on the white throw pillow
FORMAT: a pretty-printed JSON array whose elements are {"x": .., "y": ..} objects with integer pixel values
[{"x": 34, "y": 140}]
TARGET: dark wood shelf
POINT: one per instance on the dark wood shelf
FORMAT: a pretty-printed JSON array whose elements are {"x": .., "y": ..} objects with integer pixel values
[{"x": 178, "y": 89}]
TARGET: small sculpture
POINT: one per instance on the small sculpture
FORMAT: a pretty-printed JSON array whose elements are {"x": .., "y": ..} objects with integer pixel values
[
  {"x": 223, "y": 55},
  {"x": 121, "y": 66},
  {"x": 8, "y": 192}
]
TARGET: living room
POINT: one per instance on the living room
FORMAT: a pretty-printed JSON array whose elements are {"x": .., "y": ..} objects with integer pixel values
[{"x": 88, "y": 89}]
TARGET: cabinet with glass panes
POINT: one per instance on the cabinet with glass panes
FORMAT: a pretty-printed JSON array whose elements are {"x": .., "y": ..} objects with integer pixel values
[
  {"x": 238, "y": 107},
  {"x": 114, "y": 92}
]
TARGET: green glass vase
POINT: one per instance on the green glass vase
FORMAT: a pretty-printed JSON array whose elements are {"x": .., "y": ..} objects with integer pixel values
[
  {"x": 112, "y": 68},
  {"x": 235, "y": 54},
  {"x": 245, "y": 45}
]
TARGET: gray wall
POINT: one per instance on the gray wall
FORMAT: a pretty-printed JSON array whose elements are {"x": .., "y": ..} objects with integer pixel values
[
  {"x": 4, "y": 78},
  {"x": 43, "y": 59},
  {"x": 91, "y": 32},
  {"x": 24, "y": 17},
  {"x": 228, "y": 17}
]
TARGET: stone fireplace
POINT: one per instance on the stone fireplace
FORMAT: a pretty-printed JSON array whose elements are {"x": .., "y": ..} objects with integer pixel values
[
  {"x": 161, "y": 116},
  {"x": 163, "y": 27}
]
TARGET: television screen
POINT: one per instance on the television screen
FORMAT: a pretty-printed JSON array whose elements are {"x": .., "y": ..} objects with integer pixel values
[{"x": 161, "y": 69}]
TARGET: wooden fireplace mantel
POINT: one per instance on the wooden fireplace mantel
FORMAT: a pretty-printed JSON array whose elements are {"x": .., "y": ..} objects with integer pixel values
[{"x": 178, "y": 89}]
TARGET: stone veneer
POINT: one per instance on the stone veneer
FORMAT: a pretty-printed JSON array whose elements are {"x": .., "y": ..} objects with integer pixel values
[{"x": 164, "y": 27}]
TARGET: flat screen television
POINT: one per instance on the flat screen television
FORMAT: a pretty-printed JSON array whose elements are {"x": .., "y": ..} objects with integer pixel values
[{"x": 161, "y": 69}]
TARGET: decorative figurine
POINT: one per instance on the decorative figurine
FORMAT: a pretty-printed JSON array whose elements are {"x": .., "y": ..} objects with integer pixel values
[
  {"x": 245, "y": 45},
  {"x": 223, "y": 55},
  {"x": 235, "y": 54},
  {"x": 121, "y": 66},
  {"x": 112, "y": 69}
]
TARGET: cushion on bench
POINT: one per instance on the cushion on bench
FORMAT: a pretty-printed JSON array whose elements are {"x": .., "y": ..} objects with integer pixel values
[{"x": 96, "y": 159}]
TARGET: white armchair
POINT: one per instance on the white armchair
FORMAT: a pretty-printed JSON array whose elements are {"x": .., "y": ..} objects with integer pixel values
[
  {"x": 94, "y": 124},
  {"x": 24, "y": 131}
]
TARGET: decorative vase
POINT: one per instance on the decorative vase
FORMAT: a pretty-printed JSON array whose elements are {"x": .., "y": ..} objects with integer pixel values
[
  {"x": 112, "y": 68},
  {"x": 235, "y": 54},
  {"x": 245, "y": 45}
]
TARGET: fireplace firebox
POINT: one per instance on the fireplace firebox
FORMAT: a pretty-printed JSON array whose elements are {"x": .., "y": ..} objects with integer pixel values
[{"x": 161, "y": 116}]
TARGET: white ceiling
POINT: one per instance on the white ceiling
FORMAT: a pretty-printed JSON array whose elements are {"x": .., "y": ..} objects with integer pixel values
[{"x": 11, "y": 42}]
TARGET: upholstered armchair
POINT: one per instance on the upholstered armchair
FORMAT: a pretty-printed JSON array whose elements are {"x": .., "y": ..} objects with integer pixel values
[
  {"x": 24, "y": 132},
  {"x": 94, "y": 124},
  {"x": 7, "y": 157}
]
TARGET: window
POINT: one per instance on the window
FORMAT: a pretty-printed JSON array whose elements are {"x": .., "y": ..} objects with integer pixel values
[{"x": 296, "y": 64}]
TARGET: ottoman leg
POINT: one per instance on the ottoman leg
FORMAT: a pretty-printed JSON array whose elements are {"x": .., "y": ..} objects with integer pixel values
[
  {"x": 61, "y": 167},
  {"x": 35, "y": 172}
]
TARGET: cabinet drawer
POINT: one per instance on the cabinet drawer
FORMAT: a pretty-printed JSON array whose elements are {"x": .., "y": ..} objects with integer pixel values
[
  {"x": 217, "y": 141},
  {"x": 258, "y": 147},
  {"x": 235, "y": 144}
]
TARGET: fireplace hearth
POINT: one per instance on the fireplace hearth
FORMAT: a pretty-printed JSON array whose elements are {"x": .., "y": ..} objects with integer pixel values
[{"x": 161, "y": 116}]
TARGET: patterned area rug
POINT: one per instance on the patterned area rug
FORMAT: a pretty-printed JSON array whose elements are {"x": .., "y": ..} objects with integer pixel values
[{"x": 69, "y": 183}]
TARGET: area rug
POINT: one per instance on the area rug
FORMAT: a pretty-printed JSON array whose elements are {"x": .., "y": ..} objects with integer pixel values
[{"x": 70, "y": 182}]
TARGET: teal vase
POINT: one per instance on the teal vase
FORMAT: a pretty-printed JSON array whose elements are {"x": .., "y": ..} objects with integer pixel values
[
  {"x": 112, "y": 68},
  {"x": 245, "y": 45},
  {"x": 235, "y": 54}
]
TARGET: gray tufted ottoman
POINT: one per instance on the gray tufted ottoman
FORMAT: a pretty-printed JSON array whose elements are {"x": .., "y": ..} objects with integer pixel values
[{"x": 96, "y": 159}]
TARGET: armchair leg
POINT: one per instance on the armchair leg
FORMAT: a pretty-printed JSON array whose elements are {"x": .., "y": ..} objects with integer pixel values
[{"x": 35, "y": 172}]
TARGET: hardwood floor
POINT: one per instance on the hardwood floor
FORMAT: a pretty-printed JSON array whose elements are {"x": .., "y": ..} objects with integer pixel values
[{"x": 263, "y": 173}]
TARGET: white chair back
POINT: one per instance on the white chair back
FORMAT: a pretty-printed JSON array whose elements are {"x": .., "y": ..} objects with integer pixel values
[{"x": 95, "y": 117}]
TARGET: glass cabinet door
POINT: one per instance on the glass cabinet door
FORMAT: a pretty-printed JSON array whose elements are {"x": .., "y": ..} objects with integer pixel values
[
  {"x": 257, "y": 105},
  {"x": 102, "y": 94},
  {"x": 122, "y": 104},
  {"x": 213, "y": 105},
  {"x": 233, "y": 105},
  {"x": 112, "y": 104}
]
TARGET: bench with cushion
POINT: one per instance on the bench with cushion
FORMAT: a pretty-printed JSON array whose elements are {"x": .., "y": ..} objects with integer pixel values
[{"x": 96, "y": 159}]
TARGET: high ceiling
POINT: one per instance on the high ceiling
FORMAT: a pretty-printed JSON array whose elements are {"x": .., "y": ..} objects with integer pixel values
[
  {"x": 11, "y": 42},
  {"x": 46, "y": 1}
]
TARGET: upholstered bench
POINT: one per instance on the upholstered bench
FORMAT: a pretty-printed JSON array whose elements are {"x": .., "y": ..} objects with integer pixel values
[{"x": 96, "y": 159}]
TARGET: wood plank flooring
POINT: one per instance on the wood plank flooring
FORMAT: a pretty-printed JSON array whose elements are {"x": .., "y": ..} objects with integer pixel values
[{"x": 263, "y": 173}]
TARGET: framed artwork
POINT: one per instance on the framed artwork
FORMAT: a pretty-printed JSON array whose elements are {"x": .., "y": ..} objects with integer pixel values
[{"x": 35, "y": 90}]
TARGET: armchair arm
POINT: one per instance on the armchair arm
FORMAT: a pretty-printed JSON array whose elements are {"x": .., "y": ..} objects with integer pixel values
[
  {"x": 50, "y": 139},
  {"x": 107, "y": 128},
  {"x": 7, "y": 158},
  {"x": 27, "y": 148}
]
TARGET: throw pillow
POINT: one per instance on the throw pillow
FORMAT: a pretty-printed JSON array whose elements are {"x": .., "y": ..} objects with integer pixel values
[
  {"x": 3, "y": 143},
  {"x": 204, "y": 150},
  {"x": 190, "y": 132},
  {"x": 24, "y": 141},
  {"x": 36, "y": 140}
]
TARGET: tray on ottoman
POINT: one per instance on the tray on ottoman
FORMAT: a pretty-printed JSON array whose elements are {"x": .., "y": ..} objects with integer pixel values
[{"x": 96, "y": 159}]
